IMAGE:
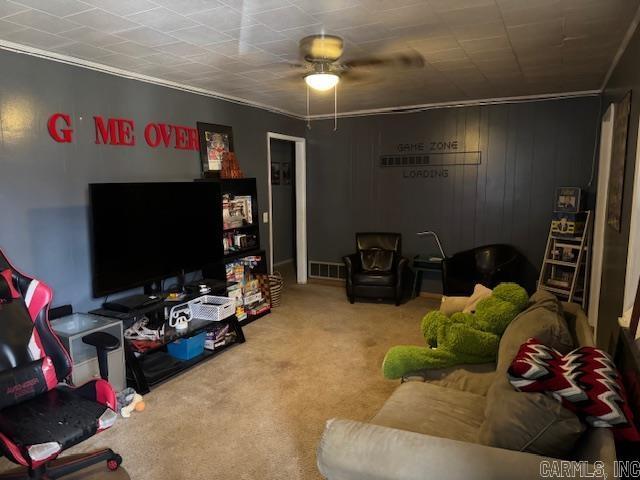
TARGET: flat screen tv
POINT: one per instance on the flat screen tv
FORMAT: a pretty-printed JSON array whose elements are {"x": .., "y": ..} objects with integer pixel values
[{"x": 145, "y": 232}]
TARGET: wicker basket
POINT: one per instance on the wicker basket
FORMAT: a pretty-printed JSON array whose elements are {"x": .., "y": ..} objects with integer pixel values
[{"x": 276, "y": 283}]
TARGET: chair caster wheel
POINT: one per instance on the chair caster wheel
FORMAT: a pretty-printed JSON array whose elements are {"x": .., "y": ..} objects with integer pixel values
[{"x": 114, "y": 463}]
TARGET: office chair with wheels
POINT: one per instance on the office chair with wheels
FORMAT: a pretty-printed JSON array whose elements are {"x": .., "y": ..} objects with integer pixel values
[{"x": 39, "y": 415}]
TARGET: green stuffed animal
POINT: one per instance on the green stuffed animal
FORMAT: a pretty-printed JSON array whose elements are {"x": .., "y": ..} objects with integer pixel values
[{"x": 461, "y": 338}]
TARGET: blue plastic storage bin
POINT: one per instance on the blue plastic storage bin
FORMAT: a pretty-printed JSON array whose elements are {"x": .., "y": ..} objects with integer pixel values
[{"x": 187, "y": 348}]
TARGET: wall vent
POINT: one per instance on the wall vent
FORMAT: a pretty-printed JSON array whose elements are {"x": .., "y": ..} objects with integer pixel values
[{"x": 327, "y": 270}]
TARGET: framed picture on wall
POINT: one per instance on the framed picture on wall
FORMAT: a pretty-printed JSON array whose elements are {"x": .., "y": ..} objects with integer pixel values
[
  {"x": 215, "y": 142},
  {"x": 286, "y": 173},
  {"x": 275, "y": 173},
  {"x": 618, "y": 159}
]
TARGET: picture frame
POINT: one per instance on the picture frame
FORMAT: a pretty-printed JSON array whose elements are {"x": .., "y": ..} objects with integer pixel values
[
  {"x": 215, "y": 142},
  {"x": 286, "y": 173},
  {"x": 618, "y": 160},
  {"x": 275, "y": 173},
  {"x": 567, "y": 199}
]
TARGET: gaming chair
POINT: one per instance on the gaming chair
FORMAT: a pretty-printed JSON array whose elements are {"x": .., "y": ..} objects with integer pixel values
[{"x": 40, "y": 416}]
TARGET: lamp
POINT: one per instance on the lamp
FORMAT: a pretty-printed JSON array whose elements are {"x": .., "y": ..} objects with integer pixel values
[
  {"x": 322, "y": 81},
  {"x": 435, "y": 236}
]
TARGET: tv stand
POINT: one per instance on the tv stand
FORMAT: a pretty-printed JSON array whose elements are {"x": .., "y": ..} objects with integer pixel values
[
  {"x": 132, "y": 303},
  {"x": 148, "y": 363}
]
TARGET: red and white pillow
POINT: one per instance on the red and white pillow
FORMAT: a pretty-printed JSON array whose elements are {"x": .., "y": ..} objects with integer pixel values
[{"x": 584, "y": 380}]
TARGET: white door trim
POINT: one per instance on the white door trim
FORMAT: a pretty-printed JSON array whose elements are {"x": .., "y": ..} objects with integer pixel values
[
  {"x": 600, "y": 222},
  {"x": 633, "y": 259},
  {"x": 301, "y": 202}
]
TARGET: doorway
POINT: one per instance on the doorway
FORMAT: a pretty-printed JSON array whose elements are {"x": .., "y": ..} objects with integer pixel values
[{"x": 287, "y": 204}]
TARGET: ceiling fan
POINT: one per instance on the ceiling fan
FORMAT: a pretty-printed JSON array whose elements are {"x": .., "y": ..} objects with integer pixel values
[{"x": 323, "y": 68}]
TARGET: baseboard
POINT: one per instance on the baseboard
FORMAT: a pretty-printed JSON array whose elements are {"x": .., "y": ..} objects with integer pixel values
[{"x": 338, "y": 282}]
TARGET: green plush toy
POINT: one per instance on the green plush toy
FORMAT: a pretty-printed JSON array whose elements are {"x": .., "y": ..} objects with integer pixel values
[{"x": 461, "y": 338}]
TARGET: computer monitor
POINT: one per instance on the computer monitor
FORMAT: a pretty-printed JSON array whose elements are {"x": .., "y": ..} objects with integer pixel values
[{"x": 145, "y": 232}]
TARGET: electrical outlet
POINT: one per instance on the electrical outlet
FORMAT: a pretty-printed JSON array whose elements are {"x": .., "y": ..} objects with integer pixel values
[{"x": 265, "y": 217}]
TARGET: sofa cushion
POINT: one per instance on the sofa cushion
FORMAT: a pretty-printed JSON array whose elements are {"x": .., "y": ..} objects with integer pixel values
[
  {"x": 433, "y": 410},
  {"x": 543, "y": 320},
  {"x": 377, "y": 279},
  {"x": 472, "y": 378},
  {"x": 531, "y": 422}
]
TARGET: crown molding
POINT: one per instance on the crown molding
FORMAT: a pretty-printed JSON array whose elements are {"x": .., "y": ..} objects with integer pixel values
[
  {"x": 458, "y": 104},
  {"x": 99, "y": 67},
  {"x": 77, "y": 62}
]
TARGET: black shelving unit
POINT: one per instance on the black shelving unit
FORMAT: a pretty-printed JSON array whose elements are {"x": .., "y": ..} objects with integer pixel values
[
  {"x": 153, "y": 365},
  {"x": 234, "y": 188}
]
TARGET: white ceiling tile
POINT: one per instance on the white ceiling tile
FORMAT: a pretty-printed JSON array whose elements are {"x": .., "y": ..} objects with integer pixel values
[
  {"x": 223, "y": 18},
  {"x": 366, "y": 33},
  {"x": 200, "y": 35},
  {"x": 161, "y": 19},
  {"x": 122, "y": 61},
  {"x": 281, "y": 47},
  {"x": 7, "y": 28},
  {"x": 445, "y": 5},
  {"x": 314, "y": 6},
  {"x": 249, "y": 7},
  {"x": 82, "y": 50},
  {"x": 345, "y": 18},
  {"x": 188, "y": 7},
  {"x": 256, "y": 34},
  {"x": 182, "y": 49},
  {"x": 9, "y": 8},
  {"x": 59, "y": 8},
  {"x": 285, "y": 18},
  {"x": 36, "y": 38},
  {"x": 473, "y": 48},
  {"x": 147, "y": 36},
  {"x": 132, "y": 49},
  {"x": 92, "y": 37},
  {"x": 122, "y": 7},
  {"x": 164, "y": 59},
  {"x": 41, "y": 21},
  {"x": 470, "y": 16},
  {"x": 101, "y": 20},
  {"x": 486, "y": 44}
]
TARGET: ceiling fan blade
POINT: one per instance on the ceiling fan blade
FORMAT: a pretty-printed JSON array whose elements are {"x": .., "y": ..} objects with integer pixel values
[
  {"x": 354, "y": 76},
  {"x": 400, "y": 60}
]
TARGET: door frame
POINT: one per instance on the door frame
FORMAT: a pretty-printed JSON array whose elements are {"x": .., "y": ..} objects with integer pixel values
[
  {"x": 600, "y": 221},
  {"x": 300, "y": 181},
  {"x": 633, "y": 261}
]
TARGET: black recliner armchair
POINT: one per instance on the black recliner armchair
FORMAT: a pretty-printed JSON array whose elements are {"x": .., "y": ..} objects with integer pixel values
[
  {"x": 488, "y": 265},
  {"x": 377, "y": 269},
  {"x": 39, "y": 415}
]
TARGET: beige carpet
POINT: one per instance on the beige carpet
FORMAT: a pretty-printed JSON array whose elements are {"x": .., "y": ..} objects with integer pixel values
[{"x": 257, "y": 411}]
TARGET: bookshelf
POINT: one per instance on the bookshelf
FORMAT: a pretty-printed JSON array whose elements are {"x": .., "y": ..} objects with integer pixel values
[{"x": 244, "y": 265}]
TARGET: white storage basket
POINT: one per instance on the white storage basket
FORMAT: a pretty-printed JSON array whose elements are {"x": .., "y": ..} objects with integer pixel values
[{"x": 212, "y": 308}]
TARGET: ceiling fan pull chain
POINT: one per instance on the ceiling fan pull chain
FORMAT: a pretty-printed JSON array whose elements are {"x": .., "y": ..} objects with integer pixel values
[
  {"x": 335, "y": 107},
  {"x": 308, "y": 115}
]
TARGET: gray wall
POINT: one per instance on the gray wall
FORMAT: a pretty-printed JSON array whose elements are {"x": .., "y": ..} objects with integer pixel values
[
  {"x": 43, "y": 185},
  {"x": 528, "y": 149},
  {"x": 283, "y": 151},
  {"x": 625, "y": 77}
]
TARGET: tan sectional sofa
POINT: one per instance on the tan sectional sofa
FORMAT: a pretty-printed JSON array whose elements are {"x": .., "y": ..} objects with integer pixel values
[{"x": 468, "y": 422}]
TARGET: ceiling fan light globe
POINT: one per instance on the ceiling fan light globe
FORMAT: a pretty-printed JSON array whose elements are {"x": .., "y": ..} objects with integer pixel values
[{"x": 322, "y": 81}]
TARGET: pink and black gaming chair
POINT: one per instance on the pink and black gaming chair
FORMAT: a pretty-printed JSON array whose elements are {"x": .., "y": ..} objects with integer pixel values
[{"x": 39, "y": 415}]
